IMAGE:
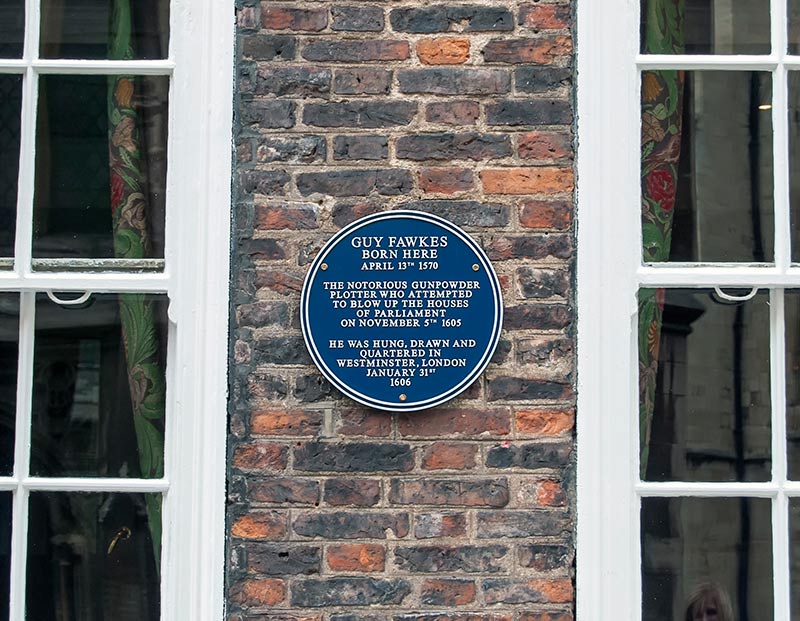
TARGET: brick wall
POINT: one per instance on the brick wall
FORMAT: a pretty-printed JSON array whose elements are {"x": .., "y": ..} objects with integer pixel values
[{"x": 464, "y": 512}]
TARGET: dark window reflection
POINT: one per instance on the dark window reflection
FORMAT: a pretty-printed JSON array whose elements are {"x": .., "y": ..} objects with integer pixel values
[
  {"x": 99, "y": 387},
  {"x": 794, "y": 161},
  {"x": 794, "y": 555},
  {"x": 85, "y": 29},
  {"x": 707, "y": 27},
  {"x": 710, "y": 418},
  {"x": 793, "y": 10},
  {"x": 12, "y": 28},
  {"x": 702, "y": 549},
  {"x": 87, "y": 203},
  {"x": 792, "y": 322},
  {"x": 6, "y": 500},
  {"x": 707, "y": 166},
  {"x": 10, "y": 110},
  {"x": 92, "y": 556},
  {"x": 9, "y": 346}
]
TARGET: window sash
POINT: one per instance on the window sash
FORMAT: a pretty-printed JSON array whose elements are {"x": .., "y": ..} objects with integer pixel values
[{"x": 610, "y": 273}]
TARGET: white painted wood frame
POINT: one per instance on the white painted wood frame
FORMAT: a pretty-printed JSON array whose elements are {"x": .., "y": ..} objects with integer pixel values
[
  {"x": 610, "y": 272},
  {"x": 196, "y": 280}
]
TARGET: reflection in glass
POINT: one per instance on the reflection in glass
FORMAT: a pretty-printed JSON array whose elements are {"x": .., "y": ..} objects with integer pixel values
[
  {"x": 9, "y": 346},
  {"x": 10, "y": 110},
  {"x": 792, "y": 323},
  {"x": 707, "y": 191},
  {"x": 706, "y": 27},
  {"x": 794, "y": 555},
  {"x": 85, "y": 29},
  {"x": 92, "y": 556},
  {"x": 704, "y": 386},
  {"x": 722, "y": 545},
  {"x": 793, "y": 11},
  {"x": 794, "y": 161},
  {"x": 100, "y": 167},
  {"x": 99, "y": 387},
  {"x": 12, "y": 28},
  {"x": 5, "y": 552}
]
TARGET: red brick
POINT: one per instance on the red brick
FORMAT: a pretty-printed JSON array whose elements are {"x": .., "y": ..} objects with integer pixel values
[
  {"x": 285, "y": 490},
  {"x": 545, "y": 616},
  {"x": 253, "y": 593},
  {"x": 277, "y": 215},
  {"x": 436, "y": 525},
  {"x": 533, "y": 180},
  {"x": 546, "y": 215},
  {"x": 544, "y": 145},
  {"x": 540, "y": 51},
  {"x": 489, "y": 422},
  {"x": 286, "y": 422},
  {"x": 261, "y": 525},
  {"x": 443, "y": 51},
  {"x": 445, "y": 180},
  {"x": 453, "y": 112},
  {"x": 364, "y": 423},
  {"x": 260, "y": 456},
  {"x": 357, "y": 557},
  {"x": 279, "y": 281},
  {"x": 286, "y": 18},
  {"x": 544, "y": 422},
  {"x": 444, "y": 592},
  {"x": 544, "y": 16},
  {"x": 449, "y": 456},
  {"x": 550, "y": 494}
]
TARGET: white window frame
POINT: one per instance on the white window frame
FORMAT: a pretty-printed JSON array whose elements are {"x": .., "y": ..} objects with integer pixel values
[
  {"x": 610, "y": 272},
  {"x": 195, "y": 279}
]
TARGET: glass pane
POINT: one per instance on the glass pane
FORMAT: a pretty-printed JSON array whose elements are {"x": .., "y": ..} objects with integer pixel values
[
  {"x": 792, "y": 327},
  {"x": 706, "y": 551},
  {"x": 99, "y": 387},
  {"x": 9, "y": 346},
  {"x": 10, "y": 109},
  {"x": 5, "y": 552},
  {"x": 103, "y": 29},
  {"x": 793, "y": 10},
  {"x": 100, "y": 168},
  {"x": 794, "y": 555},
  {"x": 704, "y": 386},
  {"x": 794, "y": 161},
  {"x": 707, "y": 190},
  {"x": 705, "y": 27},
  {"x": 93, "y": 556},
  {"x": 12, "y": 28}
]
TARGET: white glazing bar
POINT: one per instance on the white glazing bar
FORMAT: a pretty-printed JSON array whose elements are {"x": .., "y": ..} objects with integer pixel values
[
  {"x": 792, "y": 488},
  {"x": 675, "y": 275},
  {"x": 13, "y": 65},
  {"x": 711, "y": 490},
  {"x": 25, "y": 187},
  {"x": 780, "y": 150},
  {"x": 709, "y": 62},
  {"x": 8, "y": 484},
  {"x": 22, "y": 441},
  {"x": 104, "y": 67},
  {"x": 76, "y": 484},
  {"x": 99, "y": 282},
  {"x": 780, "y": 524}
]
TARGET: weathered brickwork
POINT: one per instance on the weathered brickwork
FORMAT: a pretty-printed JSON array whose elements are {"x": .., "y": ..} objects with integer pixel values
[{"x": 460, "y": 513}]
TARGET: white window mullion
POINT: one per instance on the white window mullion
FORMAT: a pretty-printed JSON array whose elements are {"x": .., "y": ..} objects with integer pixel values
[
  {"x": 22, "y": 441},
  {"x": 780, "y": 148},
  {"x": 25, "y": 188},
  {"x": 708, "y": 62}
]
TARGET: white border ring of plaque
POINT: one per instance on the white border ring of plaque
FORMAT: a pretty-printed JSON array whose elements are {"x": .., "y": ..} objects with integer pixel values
[{"x": 401, "y": 311}]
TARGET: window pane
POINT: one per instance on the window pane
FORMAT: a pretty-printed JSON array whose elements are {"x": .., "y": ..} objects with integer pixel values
[
  {"x": 706, "y": 550},
  {"x": 93, "y": 556},
  {"x": 794, "y": 161},
  {"x": 12, "y": 28},
  {"x": 99, "y": 387},
  {"x": 100, "y": 167},
  {"x": 707, "y": 190},
  {"x": 794, "y": 555},
  {"x": 792, "y": 323},
  {"x": 84, "y": 29},
  {"x": 10, "y": 109},
  {"x": 705, "y": 27},
  {"x": 793, "y": 11},
  {"x": 704, "y": 386},
  {"x": 5, "y": 552},
  {"x": 9, "y": 346}
]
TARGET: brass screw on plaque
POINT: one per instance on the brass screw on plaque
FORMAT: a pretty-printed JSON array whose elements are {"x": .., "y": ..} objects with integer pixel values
[
  {"x": 475, "y": 267},
  {"x": 323, "y": 267},
  {"x": 403, "y": 397}
]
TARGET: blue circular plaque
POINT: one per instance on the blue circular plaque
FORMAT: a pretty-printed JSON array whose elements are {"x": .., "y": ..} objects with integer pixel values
[{"x": 401, "y": 311}]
